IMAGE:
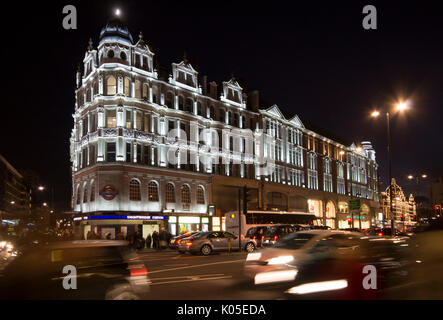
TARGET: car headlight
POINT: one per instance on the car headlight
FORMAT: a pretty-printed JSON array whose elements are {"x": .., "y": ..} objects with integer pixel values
[
  {"x": 253, "y": 256},
  {"x": 280, "y": 260}
]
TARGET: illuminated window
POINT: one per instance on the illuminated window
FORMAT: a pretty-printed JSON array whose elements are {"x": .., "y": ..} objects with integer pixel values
[
  {"x": 77, "y": 193},
  {"x": 111, "y": 121},
  {"x": 111, "y": 86},
  {"x": 134, "y": 190},
  {"x": 145, "y": 91},
  {"x": 153, "y": 191},
  {"x": 186, "y": 194},
  {"x": 127, "y": 88},
  {"x": 128, "y": 119},
  {"x": 138, "y": 93},
  {"x": 92, "y": 191},
  {"x": 85, "y": 193},
  {"x": 170, "y": 193},
  {"x": 200, "y": 195}
]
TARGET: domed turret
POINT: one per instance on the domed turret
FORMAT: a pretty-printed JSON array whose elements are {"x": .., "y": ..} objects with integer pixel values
[{"x": 115, "y": 30}]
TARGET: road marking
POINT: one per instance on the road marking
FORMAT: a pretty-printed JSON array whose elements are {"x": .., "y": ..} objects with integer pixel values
[
  {"x": 192, "y": 276},
  {"x": 176, "y": 265},
  {"x": 192, "y": 279},
  {"x": 196, "y": 266}
]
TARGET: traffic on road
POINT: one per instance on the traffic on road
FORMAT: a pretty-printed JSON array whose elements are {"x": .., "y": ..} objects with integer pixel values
[{"x": 301, "y": 263}]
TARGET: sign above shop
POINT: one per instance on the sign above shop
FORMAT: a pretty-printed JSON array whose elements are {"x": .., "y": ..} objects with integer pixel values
[
  {"x": 127, "y": 217},
  {"x": 108, "y": 192}
]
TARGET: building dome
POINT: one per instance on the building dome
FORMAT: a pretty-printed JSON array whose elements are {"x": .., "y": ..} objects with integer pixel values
[{"x": 115, "y": 30}]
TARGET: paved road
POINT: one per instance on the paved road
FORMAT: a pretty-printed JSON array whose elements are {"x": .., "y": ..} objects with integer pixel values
[{"x": 216, "y": 277}]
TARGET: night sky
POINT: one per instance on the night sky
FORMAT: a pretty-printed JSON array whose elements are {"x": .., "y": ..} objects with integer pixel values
[{"x": 313, "y": 60}]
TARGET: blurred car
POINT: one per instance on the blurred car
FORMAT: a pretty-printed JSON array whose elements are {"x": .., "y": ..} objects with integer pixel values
[
  {"x": 329, "y": 264},
  {"x": 105, "y": 269},
  {"x": 275, "y": 232},
  {"x": 208, "y": 242},
  {"x": 382, "y": 232},
  {"x": 175, "y": 241},
  {"x": 257, "y": 233}
]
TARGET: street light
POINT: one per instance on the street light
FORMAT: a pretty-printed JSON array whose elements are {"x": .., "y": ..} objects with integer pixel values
[
  {"x": 399, "y": 107},
  {"x": 41, "y": 188},
  {"x": 44, "y": 204}
]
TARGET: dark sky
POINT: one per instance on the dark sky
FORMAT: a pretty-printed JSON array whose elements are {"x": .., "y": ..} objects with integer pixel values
[{"x": 310, "y": 58}]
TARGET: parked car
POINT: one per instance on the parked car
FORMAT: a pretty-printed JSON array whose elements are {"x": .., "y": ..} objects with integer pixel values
[
  {"x": 257, "y": 233},
  {"x": 273, "y": 233},
  {"x": 208, "y": 242},
  {"x": 105, "y": 269},
  {"x": 175, "y": 241}
]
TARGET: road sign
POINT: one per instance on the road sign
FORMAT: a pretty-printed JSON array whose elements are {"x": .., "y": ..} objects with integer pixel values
[{"x": 354, "y": 204}]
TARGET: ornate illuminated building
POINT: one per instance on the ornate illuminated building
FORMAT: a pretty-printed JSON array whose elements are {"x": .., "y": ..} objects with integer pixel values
[
  {"x": 403, "y": 209},
  {"x": 126, "y": 109}
]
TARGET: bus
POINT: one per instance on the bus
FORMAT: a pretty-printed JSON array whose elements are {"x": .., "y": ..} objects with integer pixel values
[{"x": 256, "y": 218}]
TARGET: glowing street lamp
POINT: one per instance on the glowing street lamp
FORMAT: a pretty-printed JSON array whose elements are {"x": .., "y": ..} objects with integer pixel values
[
  {"x": 41, "y": 188},
  {"x": 117, "y": 12},
  {"x": 400, "y": 107},
  {"x": 45, "y": 204},
  {"x": 12, "y": 202}
]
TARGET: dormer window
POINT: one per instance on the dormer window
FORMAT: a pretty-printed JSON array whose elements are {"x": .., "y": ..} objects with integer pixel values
[
  {"x": 189, "y": 80},
  {"x": 137, "y": 61}
]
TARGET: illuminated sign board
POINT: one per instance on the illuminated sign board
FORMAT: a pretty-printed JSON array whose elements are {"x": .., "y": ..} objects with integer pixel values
[{"x": 118, "y": 217}]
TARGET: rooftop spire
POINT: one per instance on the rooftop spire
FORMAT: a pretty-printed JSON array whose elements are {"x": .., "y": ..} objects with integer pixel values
[
  {"x": 90, "y": 47},
  {"x": 185, "y": 60}
]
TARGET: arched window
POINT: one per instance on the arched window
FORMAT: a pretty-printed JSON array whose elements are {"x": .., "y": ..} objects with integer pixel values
[
  {"x": 77, "y": 194},
  {"x": 111, "y": 54},
  {"x": 123, "y": 55},
  {"x": 85, "y": 193},
  {"x": 170, "y": 100},
  {"x": 200, "y": 195},
  {"x": 189, "y": 105},
  {"x": 134, "y": 190},
  {"x": 138, "y": 92},
  {"x": 153, "y": 191},
  {"x": 222, "y": 117},
  {"x": 186, "y": 194},
  {"x": 154, "y": 94},
  {"x": 111, "y": 86},
  {"x": 127, "y": 87},
  {"x": 170, "y": 193},
  {"x": 92, "y": 198},
  {"x": 145, "y": 91},
  {"x": 181, "y": 102}
]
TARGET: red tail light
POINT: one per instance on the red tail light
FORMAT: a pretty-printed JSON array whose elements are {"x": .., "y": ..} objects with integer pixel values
[
  {"x": 254, "y": 237},
  {"x": 138, "y": 270},
  {"x": 380, "y": 234},
  {"x": 262, "y": 238},
  {"x": 275, "y": 238},
  {"x": 189, "y": 243}
]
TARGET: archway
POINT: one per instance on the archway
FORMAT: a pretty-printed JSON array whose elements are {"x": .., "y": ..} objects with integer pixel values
[{"x": 330, "y": 214}]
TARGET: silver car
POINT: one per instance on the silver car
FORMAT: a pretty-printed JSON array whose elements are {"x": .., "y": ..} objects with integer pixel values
[{"x": 208, "y": 242}]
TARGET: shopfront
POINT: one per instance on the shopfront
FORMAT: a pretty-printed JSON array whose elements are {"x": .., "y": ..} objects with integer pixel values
[
  {"x": 182, "y": 224},
  {"x": 315, "y": 207},
  {"x": 115, "y": 226}
]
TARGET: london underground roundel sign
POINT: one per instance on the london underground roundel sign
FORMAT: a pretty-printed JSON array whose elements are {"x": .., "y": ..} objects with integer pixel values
[{"x": 108, "y": 192}]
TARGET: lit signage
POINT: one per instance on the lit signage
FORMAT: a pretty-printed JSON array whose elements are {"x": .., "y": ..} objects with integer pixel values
[
  {"x": 117, "y": 217},
  {"x": 108, "y": 192}
]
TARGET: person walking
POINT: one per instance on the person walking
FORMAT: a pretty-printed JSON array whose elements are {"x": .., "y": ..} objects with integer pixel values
[
  {"x": 155, "y": 240},
  {"x": 148, "y": 241}
]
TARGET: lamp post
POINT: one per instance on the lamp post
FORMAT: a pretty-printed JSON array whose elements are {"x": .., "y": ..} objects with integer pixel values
[{"x": 399, "y": 107}]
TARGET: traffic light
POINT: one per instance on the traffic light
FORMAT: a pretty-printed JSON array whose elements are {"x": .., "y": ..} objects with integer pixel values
[
  {"x": 437, "y": 209},
  {"x": 349, "y": 221}
]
